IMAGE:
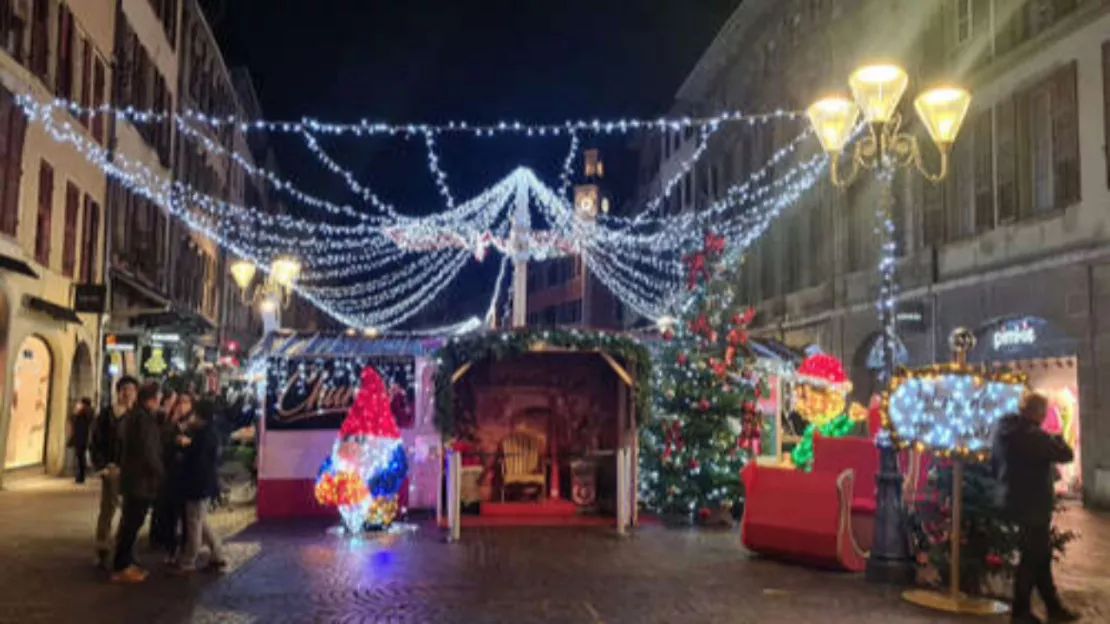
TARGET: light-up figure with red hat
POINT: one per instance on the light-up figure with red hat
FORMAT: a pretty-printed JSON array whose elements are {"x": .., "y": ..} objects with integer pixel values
[
  {"x": 821, "y": 397},
  {"x": 367, "y": 466}
]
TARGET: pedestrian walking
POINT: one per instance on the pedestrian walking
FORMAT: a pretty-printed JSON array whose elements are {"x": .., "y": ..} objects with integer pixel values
[
  {"x": 80, "y": 428},
  {"x": 141, "y": 473},
  {"x": 1027, "y": 458},
  {"x": 169, "y": 512},
  {"x": 105, "y": 448},
  {"x": 200, "y": 483}
]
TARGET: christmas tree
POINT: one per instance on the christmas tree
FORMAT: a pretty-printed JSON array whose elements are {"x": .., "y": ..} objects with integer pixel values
[
  {"x": 706, "y": 425},
  {"x": 367, "y": 465}
]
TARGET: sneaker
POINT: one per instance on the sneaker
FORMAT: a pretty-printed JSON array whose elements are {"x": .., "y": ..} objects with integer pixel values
[
  {"x": 216, "y": 566},
  {"x": 130, "y": 574},
  {"x": 1062, "y": 615},
  {"x": 178, "y": 570}
]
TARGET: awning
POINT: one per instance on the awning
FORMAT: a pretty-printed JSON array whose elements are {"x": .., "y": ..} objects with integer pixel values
[
  {"x": 338, "y": 345},
  {"x": 15, "y": 265},
  {"x": 53, "y": 310},
  {"x": 172, "y": 319}
]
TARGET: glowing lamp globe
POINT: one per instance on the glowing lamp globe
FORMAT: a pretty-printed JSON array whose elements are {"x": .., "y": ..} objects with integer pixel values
[
  {"x": 285, "y": 271},
  {"x": 878, "y": 89},
  {"x": 242, "y": 271},
  {"x": 942, "y": 110},
  {"x": 833, "y": 119}
]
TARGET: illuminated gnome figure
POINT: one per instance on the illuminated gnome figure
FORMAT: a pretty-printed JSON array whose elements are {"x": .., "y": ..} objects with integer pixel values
[
  {"x": 367, "y": 465},
  {"x": 821, "y": 398}
]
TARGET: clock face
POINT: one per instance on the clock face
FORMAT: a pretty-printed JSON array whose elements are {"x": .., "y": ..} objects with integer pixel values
[{"x": 586, "y": 205}]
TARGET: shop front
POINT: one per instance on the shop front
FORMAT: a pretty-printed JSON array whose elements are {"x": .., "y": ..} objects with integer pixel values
[{"x": 1049, "y": 356}]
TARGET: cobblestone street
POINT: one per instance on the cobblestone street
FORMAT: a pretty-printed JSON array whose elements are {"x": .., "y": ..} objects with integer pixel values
[{"x": 296, "y": 572}]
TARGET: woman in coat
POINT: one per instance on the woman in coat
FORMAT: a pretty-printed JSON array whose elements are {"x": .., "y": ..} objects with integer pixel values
[{"x": 200, "y": 483}]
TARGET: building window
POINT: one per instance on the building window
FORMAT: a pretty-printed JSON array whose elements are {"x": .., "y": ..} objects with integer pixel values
[
  {"x": 963, "y": 20},
  {"x": 42, "y": 223},
  {"x": 69, "y": 240},
  {"x": 91, "y": 243},
  {"x": 13, "y": 126}
]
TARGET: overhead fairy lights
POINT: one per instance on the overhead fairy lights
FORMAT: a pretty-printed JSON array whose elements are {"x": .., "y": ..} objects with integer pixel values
[
  {"x": 380, "y": 268},
  {"x": 367, "y": 128}
]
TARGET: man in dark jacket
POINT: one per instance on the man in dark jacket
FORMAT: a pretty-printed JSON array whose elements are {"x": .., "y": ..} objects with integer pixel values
[
  {"x": 80, "y": 429},
  {"x": 1026, "y": 457},
  {"x": 200, "y": 482},
  {"x": 105, "y": 448},
  {"x": 141, "y": 473}
]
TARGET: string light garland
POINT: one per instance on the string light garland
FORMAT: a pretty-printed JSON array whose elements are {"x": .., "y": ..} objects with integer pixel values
[
  {"x": 366, "y": 128},
  {"x": 630, "y": 256}
]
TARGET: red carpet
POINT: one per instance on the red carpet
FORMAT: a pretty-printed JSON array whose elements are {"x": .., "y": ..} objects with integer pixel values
[{"x": 550, "y": 508}]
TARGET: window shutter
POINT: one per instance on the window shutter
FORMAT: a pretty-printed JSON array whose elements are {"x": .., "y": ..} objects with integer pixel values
[
  {"x": 40, "y": 39},
  {"x": 1065, "y": 136},
  {"x": 99, "y": 99},
  {"x": 1106, "y": 103},
  {"x": 13, "y": 126},
  {"x": 1004, "y": 121},
  {"x": 984, "y": 172},
  {"x": 91, "y": 243},
  {"x": 86, "y": 78},
  {"x": 42, "y": 224},
  {"x": 63, "y": 78},
  {"x": 69, "y": 241}
]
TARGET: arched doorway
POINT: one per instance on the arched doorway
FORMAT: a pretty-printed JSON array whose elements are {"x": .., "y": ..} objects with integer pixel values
[
  {"x": 30, "y": 404},
  {"x": 81, "y": 384}
]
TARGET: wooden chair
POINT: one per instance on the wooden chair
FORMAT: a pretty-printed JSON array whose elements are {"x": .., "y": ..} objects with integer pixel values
[{"x": 521, "y": 463}]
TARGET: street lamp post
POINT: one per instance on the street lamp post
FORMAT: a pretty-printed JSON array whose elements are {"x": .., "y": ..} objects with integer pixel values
[{"x": 884, "y": 148}]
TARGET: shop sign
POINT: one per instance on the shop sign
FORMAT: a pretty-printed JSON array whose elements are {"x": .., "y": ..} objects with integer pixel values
[
  {"x": 91, "y": 298},
  {"x": 156, "y": 362},
  {"x": 316, "y": 394},
  {"x": 1014, "y": 334},
  {"x": 113, "y": 342},
  {"x": 165, "y": 338},
  {"x": 910, "y": 317}
]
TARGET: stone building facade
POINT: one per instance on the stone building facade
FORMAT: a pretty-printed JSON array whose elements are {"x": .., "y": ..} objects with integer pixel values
[{"x": 1014, "y": 244}]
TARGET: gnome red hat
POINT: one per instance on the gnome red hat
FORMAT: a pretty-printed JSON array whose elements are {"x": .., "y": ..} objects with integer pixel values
[{"x": 371, "y": 415}]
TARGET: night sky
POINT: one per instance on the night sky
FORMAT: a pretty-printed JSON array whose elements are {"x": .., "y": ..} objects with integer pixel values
[{"x": 482, "y": 61}]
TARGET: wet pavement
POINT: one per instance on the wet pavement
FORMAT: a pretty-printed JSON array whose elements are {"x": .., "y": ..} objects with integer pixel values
[{"x": 298, "y": 572}]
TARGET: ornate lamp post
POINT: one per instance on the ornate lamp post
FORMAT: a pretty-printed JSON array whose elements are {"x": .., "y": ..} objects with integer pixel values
[
  {"x": 884, "y": 148},
  {"x": 277, "y": 289}
]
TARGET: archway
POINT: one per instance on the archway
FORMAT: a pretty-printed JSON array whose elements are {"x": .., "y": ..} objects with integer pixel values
[
  {"x": 81, "y": 384},
  {"x": 30, "y": 404}
]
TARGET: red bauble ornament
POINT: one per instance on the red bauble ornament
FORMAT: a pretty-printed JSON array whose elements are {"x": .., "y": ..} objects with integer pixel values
[
  {"x": 668, "y": 335},
  {"x": 704, "y": 405},
  {"x": 681, "y": 359},
  {"x": 694, "y": 465}
]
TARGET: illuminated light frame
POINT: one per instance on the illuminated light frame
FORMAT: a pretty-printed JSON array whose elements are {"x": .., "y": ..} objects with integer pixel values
[{"x": 978, "y": 376}]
